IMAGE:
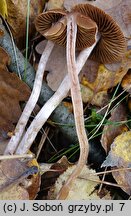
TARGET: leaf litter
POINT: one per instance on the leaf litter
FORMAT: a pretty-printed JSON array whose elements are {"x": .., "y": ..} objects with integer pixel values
[{"x": 97, "y": 83}]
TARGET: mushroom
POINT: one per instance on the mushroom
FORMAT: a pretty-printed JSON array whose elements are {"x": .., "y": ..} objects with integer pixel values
[
  {"x": 112, "y": 45},
  {"x": 79, "y": 25},
  {"x": 30, "y": 105}
]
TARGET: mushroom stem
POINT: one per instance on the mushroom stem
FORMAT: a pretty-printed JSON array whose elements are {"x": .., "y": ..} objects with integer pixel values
[
  {"x": 20, "y": 127},
  {"x": 77, "y": 104},
  {"x": 51, "y": 104}
]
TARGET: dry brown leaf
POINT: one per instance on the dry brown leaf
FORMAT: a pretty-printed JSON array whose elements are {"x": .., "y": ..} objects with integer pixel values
[
  {"x": 97, "y": 79},
  {"x": 12, "y": 174},
  {"x": 120, "y": 157},
  {"x": 3, "y": 144},
  {"x": 56, "y": 65},
  {"x": 4, "y": 58},
  {"x": 1, "y": 33},
  {"x": 34, "y": 182},
  {"x": 111, "y": 131},
  {"x": 12, "y": 91},
  {"x": 99, "y": 99},
  {"x": 17, "y": 13},
  {"x": 123, "y": 177},
  {"x": 107, "y": 79},
  {"x": 59, "y": 166},
  {"x": 55, "y": 4},
  {"x": 54, "y": 170},
  {"x": 68, "y": 4},
  {"x": 126, "y": 82},
  {"x": 15, "y": 193},
  {"x": 8, "y": 171}
]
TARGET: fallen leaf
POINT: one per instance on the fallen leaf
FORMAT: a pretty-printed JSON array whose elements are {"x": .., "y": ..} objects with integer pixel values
[
  {"x": 1, "y": 33},
  {"x": 112, "y": 130},
  {"x": 107, "y": 79},
  {"x": 120, "y": 157},
  {"x": 8, "y": 171},
  {"x": 55, "y": 4},
  {"x": 34, "y": 181},
  {"x": 97, "y": 79},
  {"x": 68, "y": 4},
  {"x": 15, "y": 173},
  {"x": 49, "y": 177},
  {"x": 3, "y": 144},
  {"x": 99, "y": 99},
  {"x": 12, "y": 91},
  {"x": 58, "y": 68},
  {"x": 17, "y": 13},
  {"x": 3, "y": 8},
  {"x": 126, "y": 82},
  {"x": 82, "y": 188},
  {"x": 14, "y": 193}
]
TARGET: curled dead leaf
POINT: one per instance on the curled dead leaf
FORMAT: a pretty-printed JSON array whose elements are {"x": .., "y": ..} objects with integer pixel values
[
  {"x": 120, "y": 157},
  {"x": 112, "y": 130},
  {"x": 14, "y": 175},
  {"x": 12, "y": 91}
]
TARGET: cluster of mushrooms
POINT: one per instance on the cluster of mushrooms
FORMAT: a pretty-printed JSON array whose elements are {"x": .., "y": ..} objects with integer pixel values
[{"x": 96, "y": 35}]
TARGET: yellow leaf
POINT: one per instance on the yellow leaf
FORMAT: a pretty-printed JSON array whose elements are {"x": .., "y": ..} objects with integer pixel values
[
  {"x": 3, "y": 9},
  {"x": 55, "y": 4}
]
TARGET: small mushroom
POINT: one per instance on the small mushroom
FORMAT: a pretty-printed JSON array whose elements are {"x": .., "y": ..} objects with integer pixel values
[
  {"x": 111, "y": 45},
  {"x": 55, "y": 28},
  {"x": 76, "y": 29},
  {"x": 51, "y": 25},
  {"x": 30, "y": 105},
  {"x": 81, "y": 24}
]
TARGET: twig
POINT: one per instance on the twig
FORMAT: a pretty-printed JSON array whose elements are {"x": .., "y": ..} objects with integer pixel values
[
  {"x": 42, "y": 141},
  {"x": 10, "y": 157}
]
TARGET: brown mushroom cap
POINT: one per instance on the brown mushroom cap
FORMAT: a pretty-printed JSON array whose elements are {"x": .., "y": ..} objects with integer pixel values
[
  {"x": 49, "y": 24},
  {"x": 85, "y": 26},
  {"x": 53, "y": 24},
  {"x": 111, "y": 45}
]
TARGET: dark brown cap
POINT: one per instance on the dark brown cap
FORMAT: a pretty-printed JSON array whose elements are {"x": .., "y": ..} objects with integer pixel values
[{"x": 111, "y": 45}]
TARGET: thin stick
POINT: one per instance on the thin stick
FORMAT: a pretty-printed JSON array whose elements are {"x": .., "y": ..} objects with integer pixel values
[
  {"x": 113, "y": 170},
  {"x": 15, "y": 139},
  {"x": 103, "y": 182},
  {"x": 10, "y": 157},
  {"x": 103, "y": 178},
  {"x": 51, "y": 104},
  {"x": 42, "y": 141}
]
